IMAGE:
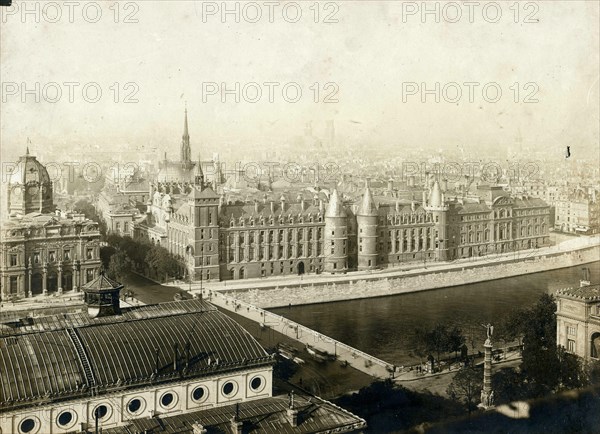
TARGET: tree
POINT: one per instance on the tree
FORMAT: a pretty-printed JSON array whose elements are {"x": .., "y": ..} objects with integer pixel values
[
  {"x": 456, "y": 340},
  {"x": 119, "y": 265},
  {"x": 161, "y": 261},
  {"x": 105, "y": 253},
  {"x": 546, "y": 367},
  {"x": 466, "y": 387}
]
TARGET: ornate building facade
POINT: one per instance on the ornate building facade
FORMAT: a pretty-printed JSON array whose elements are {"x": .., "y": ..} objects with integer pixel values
[
  {"x": 578, "y": 320},
  {"x": 216, "y": 239},
  {"x": 43, "y": 251}
]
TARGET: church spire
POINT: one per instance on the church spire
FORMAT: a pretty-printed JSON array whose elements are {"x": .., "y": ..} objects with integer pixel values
[{"x": 185, "y": 142}]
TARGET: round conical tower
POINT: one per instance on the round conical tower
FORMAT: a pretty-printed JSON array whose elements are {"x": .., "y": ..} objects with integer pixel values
[
  {"x": 366, "y": 218},
  {"x": 336, "y": 236},
  {"x": 437, "y": 207}
]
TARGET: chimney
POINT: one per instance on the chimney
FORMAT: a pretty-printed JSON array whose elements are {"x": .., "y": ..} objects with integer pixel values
[
  {"x": 302, "y": 205},
  {"x": 256, "y": 206},
  {"x": 272, "y": 207},
  {"x": 198, "y": 428},
  {"x": 397, "y": 206},
  {"x": 390, "y": 185},
  {"x": 291, "y": 413},
  {"x": 424, "y": 198},
  {"x": 282, "y": 199},
  {"x": 236, "y": 423}
]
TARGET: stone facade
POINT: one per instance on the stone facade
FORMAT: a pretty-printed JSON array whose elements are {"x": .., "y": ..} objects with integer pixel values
[
  {"x": 43, "y": 251},
  {"x": 578, "y": 320}
]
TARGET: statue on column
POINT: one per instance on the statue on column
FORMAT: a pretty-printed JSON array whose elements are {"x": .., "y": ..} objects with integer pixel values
[{"x": 487, "y": 394}]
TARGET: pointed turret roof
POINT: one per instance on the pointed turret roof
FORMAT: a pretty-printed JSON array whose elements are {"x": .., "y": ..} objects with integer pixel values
[
  {"x": 367, "y": 205},
  {"x": 435, "y": 197},
  {"x": 335, "y": 207}
]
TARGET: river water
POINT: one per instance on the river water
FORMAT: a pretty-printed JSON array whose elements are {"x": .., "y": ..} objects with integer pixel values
[{"x": 383, "y": 326}]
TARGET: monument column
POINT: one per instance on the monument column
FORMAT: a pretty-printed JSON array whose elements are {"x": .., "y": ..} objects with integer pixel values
[{"x": 487, "y": 394}]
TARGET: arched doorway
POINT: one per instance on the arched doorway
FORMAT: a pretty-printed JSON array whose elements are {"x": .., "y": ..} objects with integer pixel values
[
  {"x": 36, "y": 284},
  {"x": 242, "y": 273},
  {"x": 595, "y": 345},
  {"x": 52, "y": 282},
  {"x": 300, "y": 268},
  {"x": 67, "y": 281}
]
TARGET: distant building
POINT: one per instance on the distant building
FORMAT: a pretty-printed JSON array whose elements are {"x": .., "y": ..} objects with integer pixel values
[
  {"x": 578, "y": 320},
  {"x": 180, "y": 367},
  {"x": 578, "y": 212},
  {"x": 42, "y": 250}
]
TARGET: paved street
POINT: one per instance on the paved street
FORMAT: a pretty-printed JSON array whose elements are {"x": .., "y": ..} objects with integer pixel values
[{"x": 150, "y": 292}]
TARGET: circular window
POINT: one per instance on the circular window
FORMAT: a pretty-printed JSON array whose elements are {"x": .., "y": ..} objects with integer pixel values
[
  {"x": 65, "y": 419},
  {"x": 100, "y": 412},
  {"x": 27, "y": 425},
  {"x": 168, "y": 400},
  {"x": 257, "y": 384},
  {"x": 229, "y": 388},
  {"x": 135, "y": 406},
  {"x": 199, "y": 394}
]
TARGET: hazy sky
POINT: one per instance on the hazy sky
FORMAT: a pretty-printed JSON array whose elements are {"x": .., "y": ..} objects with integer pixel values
[{"x": 371, "y": 54}]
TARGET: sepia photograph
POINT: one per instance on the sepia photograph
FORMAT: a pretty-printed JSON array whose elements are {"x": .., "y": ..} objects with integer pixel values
[{"x": 310, "y": 216}]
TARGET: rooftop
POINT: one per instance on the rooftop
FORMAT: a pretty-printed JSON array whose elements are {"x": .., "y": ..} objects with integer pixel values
[
  {"x": 41, "y": 359},
  {"x": 586, "y": 293},
  {"x": 266, "y": 415}
]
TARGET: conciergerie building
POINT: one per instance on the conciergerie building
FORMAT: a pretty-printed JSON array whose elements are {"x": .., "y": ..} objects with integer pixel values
[{"x": 219, "y": 239}]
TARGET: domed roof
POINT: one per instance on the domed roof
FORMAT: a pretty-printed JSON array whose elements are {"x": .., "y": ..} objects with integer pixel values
[
  {"x": 29, "y": 170},
  {"x": 29, "y": 188}
]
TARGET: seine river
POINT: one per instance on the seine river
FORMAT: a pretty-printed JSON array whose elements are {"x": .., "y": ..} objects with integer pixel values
[{"x": 383, "y": 326}]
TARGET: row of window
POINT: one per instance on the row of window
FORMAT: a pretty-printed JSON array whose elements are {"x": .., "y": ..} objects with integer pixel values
[
  {"x": 137, "y": 405},
  {"x": 52, "y": 256},
  {"x": 280, "y": 220}
]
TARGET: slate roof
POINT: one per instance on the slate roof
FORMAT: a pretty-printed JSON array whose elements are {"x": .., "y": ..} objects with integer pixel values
[
  {"x": 267, "y": 415},
  {"x": 37, "y": 366},
  {"x": 584, "y": 293}
]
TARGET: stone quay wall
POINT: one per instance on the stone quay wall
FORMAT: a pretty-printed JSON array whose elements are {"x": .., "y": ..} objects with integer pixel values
[{"x": 441, "y": 276}]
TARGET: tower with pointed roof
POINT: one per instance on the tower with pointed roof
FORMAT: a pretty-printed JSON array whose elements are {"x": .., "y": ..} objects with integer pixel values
[
  {"x": 186, "y": 153},
  {"x": 366, "y": 217},
  {"x": 436, "y": 205},
  {"x": 336, "y": 236}
]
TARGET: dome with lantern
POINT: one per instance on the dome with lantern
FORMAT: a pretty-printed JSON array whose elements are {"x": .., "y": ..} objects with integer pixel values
[{"x": 29, "y": 187}]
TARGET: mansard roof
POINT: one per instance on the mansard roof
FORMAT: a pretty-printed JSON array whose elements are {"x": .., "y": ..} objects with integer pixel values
[{"x": 120, "y": 352}]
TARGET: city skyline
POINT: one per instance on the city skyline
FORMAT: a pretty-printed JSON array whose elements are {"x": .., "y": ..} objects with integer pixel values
[{"x": 366, "y": 64}]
